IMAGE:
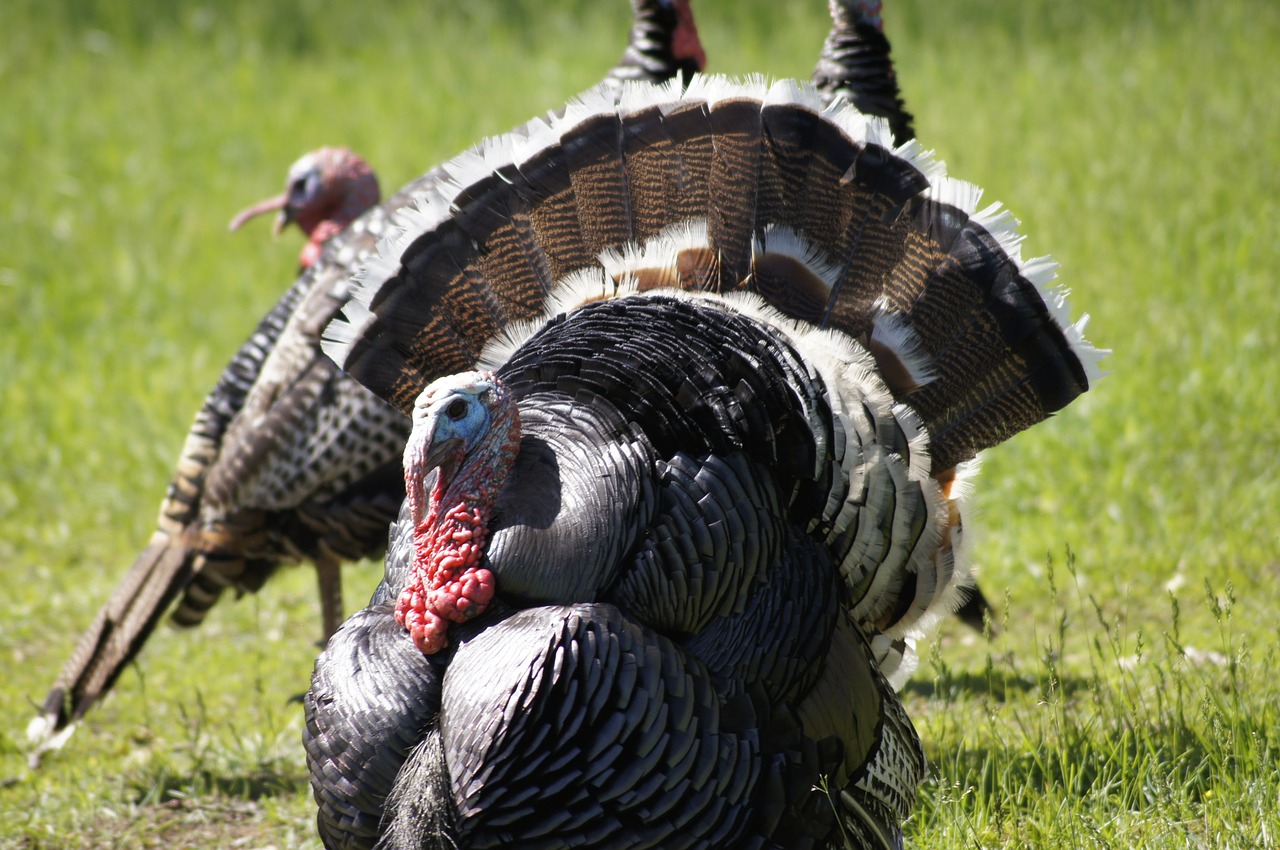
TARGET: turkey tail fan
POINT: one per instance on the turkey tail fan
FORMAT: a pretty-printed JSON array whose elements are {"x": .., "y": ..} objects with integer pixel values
[
  {"x": 814, "y": 210},
  {"x": 945, "y": 342},
  {"x": 855, "y": 64},
  {"x": 157, "y": 576}
]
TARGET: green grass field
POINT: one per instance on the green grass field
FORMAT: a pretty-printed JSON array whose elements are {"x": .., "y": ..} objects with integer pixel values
[{"x": 1130, "y": 698}]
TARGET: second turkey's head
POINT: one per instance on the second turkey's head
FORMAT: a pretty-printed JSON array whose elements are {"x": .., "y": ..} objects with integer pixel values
[
  {"x": 327, "y": 189},
  {"x": 466, "y": 430}
]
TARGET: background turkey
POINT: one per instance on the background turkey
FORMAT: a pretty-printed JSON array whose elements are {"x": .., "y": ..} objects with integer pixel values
[
  {"x": 658, "y": 566},
  {"x": 288, "y": 459},
  {"x": 325, "y": 191},
  {"x": 856, "y": 64},
  {"x": 257, "y": 483}
]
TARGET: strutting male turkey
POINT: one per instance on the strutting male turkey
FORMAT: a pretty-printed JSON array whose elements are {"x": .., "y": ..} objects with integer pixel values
[
  {"x": 289, "y": 459},
  {"x": 724, "y": 360}
]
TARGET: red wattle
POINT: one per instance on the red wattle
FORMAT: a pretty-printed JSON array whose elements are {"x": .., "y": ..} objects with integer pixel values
[{"x": 449, "y": 584}]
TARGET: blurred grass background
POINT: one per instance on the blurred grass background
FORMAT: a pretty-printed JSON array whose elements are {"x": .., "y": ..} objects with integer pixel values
[{"x": 1131, "y": 542}]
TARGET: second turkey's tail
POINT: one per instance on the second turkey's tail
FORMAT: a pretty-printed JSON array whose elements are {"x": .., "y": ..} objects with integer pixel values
[
  {"x": 169, "y": 567},
  {"x": 159, "y": 575},
  {"x": 136, "y": 606}
]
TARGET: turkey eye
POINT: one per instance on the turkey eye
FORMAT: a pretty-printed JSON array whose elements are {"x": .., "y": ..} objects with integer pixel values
[{"x": 456, "y": 409}]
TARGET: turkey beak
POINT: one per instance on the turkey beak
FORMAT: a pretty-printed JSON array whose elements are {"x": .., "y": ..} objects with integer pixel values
[
  {"x": 279, "y": 202},
  {"x": 443, "y": 455},
  {"x": 428, "y": 466}
]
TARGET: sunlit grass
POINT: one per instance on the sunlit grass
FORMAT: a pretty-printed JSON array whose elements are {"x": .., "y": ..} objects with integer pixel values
[
  {"x": 1103, "y": 732},
  {"x": 1121, "y": 703}
]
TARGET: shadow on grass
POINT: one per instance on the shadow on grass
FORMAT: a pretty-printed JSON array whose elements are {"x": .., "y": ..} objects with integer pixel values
[
  {"x": 164, "y": 785},
  {"x": 185, "y": 824},
  {"x": 166, "y": 809},
  {"x": 999, "y": 687}
]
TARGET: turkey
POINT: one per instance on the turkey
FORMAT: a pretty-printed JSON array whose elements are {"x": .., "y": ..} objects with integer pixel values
[
  {"x": 697, "y": 382},
  {"x": 241, "y": 500},
  {"x": 326, "y": 190},
  {"x": 288, "y": 458},
  {"x": 855, "y": 64}
]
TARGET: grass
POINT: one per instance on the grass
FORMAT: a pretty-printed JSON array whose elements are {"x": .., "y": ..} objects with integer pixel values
[{"x": 1129, "y": 698}]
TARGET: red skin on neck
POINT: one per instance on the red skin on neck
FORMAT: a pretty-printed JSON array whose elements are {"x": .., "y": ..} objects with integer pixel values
[
  {"x": 320, "y": 234},
  {"x": 447, "y": 581},
  {"x": 448, "y": 585},
  {"x": 685, "y": 43}
]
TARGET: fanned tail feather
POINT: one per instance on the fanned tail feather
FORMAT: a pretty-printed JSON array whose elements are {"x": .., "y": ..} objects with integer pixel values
[
  {"x": 748, "y": 159},
  {"x": 757, "y": 187}
]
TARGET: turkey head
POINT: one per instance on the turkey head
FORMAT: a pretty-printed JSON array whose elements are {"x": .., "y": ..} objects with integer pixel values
[
  {"x": 466, "y": 430},
  {"x": 326, "y": 190}
]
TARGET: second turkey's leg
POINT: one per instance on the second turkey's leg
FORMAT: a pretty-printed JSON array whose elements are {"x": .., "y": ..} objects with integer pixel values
[{"x": 329, "y": 580}]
